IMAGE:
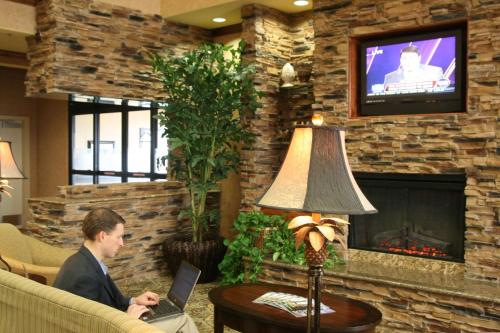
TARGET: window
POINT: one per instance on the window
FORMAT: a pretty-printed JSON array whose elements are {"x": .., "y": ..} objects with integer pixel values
[{"x": 114, "y": 141}]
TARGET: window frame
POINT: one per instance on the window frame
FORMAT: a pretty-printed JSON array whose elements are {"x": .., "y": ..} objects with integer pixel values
[{"x": 95, "y": 107}]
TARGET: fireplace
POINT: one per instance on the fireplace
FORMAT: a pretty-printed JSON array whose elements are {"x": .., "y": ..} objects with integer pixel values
[{"x": 418, "y": 215}]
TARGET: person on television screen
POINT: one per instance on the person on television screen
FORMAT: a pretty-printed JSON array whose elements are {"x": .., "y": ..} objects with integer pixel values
[{"x": 411, "y": 70}]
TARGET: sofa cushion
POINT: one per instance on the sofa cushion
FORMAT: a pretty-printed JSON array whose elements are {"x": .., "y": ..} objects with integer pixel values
[{"x": 27, "y": 306}]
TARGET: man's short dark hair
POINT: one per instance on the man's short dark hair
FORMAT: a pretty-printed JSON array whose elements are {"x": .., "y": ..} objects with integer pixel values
[
  {"x": 100, "y": 219},
  {"x": 411, "y": 48}
]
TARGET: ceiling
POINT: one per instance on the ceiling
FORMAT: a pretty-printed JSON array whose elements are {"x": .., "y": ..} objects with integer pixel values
[
  {"x": 12, "y": 41},
  {"x": 193, "y": 12},
  {"x": 230, "y": 10}
]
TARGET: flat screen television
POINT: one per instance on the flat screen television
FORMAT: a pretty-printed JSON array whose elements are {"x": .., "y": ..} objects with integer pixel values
[{"x": 413, "y": 73}]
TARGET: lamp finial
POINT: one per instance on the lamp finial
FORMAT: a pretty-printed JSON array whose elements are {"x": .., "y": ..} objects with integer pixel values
[{"x": 317, "y": 119}]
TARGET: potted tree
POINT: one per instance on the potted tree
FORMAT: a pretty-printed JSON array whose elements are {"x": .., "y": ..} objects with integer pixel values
[{"x": 208, "y": 91}]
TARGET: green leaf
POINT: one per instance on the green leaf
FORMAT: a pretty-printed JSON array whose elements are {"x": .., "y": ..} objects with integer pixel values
[{"x": 175, "y": 143}]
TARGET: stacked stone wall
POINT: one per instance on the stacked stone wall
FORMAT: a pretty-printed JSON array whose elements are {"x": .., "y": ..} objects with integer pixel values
[
  {"x": 150, "y": 211},
  {"x": 295, "y": 103},
  {"x": 95, "y": 48},
  {"x": 273, "y": 39},
  {"x": 99, "y": 49},
  {"x": 464, "y": 143},
  {"x": 426, "y": 295}
]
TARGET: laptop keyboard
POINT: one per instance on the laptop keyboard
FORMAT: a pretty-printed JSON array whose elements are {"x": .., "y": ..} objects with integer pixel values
[{"x": 163, "y": 309}]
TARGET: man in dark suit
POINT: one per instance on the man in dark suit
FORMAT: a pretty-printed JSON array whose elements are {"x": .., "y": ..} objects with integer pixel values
[
  {"x": 412, "y": 71},
  {"x": 85, "y": 274}
]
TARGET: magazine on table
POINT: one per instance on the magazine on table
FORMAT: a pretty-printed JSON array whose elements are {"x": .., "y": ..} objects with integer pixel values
[{"x": 293, "y": 304}]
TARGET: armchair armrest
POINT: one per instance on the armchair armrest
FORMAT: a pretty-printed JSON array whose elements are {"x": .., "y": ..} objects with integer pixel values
[
  {"x": 4, "y": 264},
  {"x": 41, "y": 274},
  {"x": 47, "y": 255}
]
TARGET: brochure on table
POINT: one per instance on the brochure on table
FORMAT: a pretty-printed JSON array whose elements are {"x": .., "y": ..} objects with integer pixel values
[{"x": 293, "y": 304}]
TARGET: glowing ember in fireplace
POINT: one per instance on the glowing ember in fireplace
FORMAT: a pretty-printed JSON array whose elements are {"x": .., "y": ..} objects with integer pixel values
[{"x": 414, "y": 250}]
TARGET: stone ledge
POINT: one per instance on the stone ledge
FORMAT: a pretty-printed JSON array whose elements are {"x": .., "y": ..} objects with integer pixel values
[
  {"x": 80, "y": 194},
  {"x": 121, "y": 189},
  {"x": 446, "y": 284},
  {"x": 64, "y": 201},
  {"x": 410, "y": 301}
]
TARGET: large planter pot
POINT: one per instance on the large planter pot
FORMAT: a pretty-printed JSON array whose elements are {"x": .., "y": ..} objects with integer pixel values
[{"x": 205, "y": 255}]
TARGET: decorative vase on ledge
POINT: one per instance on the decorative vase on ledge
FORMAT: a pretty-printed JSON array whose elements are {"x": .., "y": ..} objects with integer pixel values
[
  {"x": 303, "y": 71},
  {"x": 287, "y": 75}
]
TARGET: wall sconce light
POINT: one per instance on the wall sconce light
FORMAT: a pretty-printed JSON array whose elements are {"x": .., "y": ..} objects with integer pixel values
[{"x": 287, "y": 75}]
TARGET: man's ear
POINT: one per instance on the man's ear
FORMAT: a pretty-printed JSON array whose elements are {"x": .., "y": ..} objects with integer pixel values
[{"x": 100, "y": 236}]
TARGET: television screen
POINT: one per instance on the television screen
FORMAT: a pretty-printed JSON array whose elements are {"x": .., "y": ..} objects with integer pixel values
[
  {"x": 413, "y": 73},
  {"x": 413, "y": 67}
]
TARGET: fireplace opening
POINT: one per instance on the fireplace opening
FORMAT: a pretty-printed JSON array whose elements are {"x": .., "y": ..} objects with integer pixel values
[{"x": 418, "y": 215}]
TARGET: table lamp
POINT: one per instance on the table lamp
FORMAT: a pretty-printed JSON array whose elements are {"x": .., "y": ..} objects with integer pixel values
[
  {"x": 8, "y": 167},
  {"x": 316, "y": 178}
]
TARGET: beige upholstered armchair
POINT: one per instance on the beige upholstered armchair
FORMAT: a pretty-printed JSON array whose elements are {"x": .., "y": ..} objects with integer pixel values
[{"x": 30, "y": 257}]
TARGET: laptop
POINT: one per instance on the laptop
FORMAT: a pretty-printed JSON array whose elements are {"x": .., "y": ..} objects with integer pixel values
[{"x": 184, "y": 282}]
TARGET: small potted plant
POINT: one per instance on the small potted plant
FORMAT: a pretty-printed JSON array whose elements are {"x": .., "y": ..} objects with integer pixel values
[
  {"x": 244, "y": 260},
  {"x": 207, "y": 92}
]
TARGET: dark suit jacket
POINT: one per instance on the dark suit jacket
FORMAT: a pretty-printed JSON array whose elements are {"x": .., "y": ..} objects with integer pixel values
[{"x": 81, "y": 275}]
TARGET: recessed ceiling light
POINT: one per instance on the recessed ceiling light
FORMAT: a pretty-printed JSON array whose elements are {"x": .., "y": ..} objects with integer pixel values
[
  {"x": 301, "y": 3},
  {"x": 219, "y": 19}
]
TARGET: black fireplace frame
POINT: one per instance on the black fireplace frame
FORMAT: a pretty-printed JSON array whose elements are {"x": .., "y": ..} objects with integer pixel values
[{"x": 451, "y": 182}]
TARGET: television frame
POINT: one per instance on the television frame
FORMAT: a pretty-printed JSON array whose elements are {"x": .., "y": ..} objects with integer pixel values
[{"x": 418, "y": 103}]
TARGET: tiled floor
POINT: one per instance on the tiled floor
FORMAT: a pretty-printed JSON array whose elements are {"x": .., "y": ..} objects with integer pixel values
[{"x": 199, "y": 307}]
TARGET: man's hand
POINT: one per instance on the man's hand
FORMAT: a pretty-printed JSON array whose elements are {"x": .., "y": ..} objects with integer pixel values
[
  {"x": 136, "y": 310},
  {"x": 148, "y": 298}
]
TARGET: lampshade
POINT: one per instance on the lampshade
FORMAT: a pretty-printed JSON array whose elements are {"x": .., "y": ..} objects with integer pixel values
[
  {"x": 315, "y": 176},
  {"x": 8, "y": 166}
]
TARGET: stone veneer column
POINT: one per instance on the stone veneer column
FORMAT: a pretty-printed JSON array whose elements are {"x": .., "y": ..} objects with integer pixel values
[
  {"x": 150, "y": 210},
  {"x": 273, "y": 39},
  {"x": 98, "y": 49},
  {"x": 432, "y": 143}
]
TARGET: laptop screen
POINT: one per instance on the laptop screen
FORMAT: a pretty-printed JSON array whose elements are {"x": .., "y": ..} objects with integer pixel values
[{"x": 183, "y": 285}]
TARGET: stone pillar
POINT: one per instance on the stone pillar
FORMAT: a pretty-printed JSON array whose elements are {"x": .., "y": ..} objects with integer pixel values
[{"x": 273, "y": 39}]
